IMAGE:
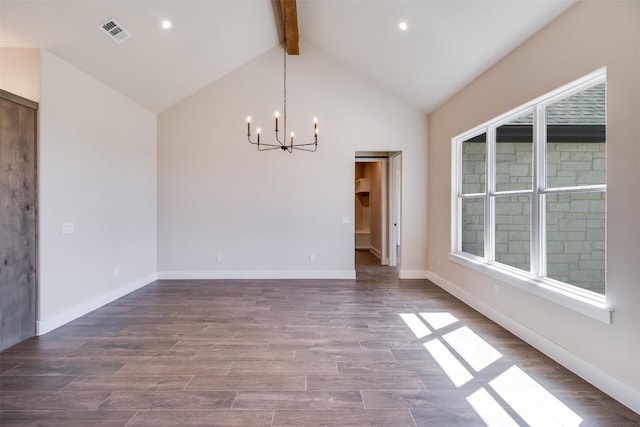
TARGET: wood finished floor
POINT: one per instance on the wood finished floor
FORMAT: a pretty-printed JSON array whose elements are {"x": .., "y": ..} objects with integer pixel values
[{"x": 292, "y": 353}]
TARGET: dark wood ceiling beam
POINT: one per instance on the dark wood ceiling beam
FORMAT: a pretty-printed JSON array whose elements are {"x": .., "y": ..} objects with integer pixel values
[{"x": 289, "y": 15}]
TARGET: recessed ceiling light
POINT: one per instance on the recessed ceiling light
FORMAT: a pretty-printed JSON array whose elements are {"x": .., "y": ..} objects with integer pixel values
[
  {"x": 403, "y": 26},
  {"x": 166, "y": 24}
]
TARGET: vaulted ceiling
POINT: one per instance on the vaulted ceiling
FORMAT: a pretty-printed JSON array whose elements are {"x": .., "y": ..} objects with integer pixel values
[{"x": 447, "y": 44}]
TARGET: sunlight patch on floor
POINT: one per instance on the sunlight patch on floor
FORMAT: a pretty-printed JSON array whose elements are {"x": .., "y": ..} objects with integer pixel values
[
  {"x": 439, "y": 320},
  {"x": 532, "y": 401},
  {"x": 474, "y": 350},
  {"x": 489, "y": 410},
  {"x": 451, "y": 366},
  {"x": 417, "y": 326},
  {"x": 454, "y": 350}
]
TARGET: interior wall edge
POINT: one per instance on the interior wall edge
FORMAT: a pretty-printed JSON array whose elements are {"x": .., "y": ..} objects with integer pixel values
[{"x": 610, "y": 385}]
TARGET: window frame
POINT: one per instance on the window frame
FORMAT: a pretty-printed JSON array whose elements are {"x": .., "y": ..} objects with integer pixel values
[{"x": 535, "y": 281}]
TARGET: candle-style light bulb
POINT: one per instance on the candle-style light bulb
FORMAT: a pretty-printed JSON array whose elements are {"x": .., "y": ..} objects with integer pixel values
[
  {"x": 258, "y": 132},
  {"x": 248, "y": 119},
  {"x": 315, "y": 120},
  {"x": 277, "y": 114},
  {"x": 292, "y": 134}
]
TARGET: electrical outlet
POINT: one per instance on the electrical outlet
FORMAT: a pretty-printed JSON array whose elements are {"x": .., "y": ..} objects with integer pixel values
[
  {"x": 219, "y": 257},
  {"x": 312, "y": 257},
  {"x": 68, "y": 228}
]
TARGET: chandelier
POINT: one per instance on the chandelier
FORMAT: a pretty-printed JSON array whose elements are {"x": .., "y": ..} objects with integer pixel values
[{"x": 283, "y": 144}]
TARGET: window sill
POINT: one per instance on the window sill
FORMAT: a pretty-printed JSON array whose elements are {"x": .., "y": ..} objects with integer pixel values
[{"x": 593, "y": 307}]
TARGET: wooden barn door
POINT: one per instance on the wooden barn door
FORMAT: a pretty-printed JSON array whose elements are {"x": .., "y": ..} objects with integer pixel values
[{"x": 17, "y": 219}]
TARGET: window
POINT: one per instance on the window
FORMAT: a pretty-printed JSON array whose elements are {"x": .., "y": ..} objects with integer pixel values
[{"x": 529, "y": 191}]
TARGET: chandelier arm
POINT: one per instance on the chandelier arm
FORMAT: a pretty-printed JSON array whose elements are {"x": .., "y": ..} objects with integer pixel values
[
  {"x": 271, "y": 147},
  {"x": 305, "y": 145},
  {"x": 310, "y": 150},
  {"x": 265, "y": 145},
  {"x": 261, "y": 143}
]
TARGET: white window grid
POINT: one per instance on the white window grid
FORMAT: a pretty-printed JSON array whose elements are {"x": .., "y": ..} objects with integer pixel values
[{"x": 538, "y": 192}]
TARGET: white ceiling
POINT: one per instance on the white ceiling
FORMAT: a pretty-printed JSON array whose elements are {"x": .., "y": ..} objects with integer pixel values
[{"x": 448, "y": 44}]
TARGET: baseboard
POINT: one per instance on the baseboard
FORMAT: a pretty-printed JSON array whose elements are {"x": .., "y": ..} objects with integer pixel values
[
  {"x": 375, "y": 252},
  {"x": 414, "y": 274},
  {"x": 256, "y": 274},
  {"x": 47, "y": 325},
  {"x": 615, "y": 388}
]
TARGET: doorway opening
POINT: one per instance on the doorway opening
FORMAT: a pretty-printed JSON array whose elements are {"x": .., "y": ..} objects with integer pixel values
[{"x": 378, "y": 205}]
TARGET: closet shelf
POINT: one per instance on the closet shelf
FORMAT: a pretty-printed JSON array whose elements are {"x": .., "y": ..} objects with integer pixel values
[{"x": 363, "y": 185}]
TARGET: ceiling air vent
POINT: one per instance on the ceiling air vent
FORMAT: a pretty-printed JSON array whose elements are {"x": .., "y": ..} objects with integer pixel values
[{"x": 114, "y": 30}]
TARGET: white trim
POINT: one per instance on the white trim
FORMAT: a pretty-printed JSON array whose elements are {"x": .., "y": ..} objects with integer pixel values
[
  {"x": 375, "y": 252},
  {"x": 384, "y": 202},
  {"x": 44, "y": 326},
  {"x": 615, "y": 388},
  {"x": 574, "y": 301},
  {"x": 456, "y": 208},
  {"x": 256, "y": 274},
  {"x": 413, "y": 274},
  {"x": 394, "y": 206}
]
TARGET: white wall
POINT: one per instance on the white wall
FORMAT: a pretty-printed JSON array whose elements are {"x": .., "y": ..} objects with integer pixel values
[
  {"x": 588, "y": 36},
  {"x": 266, "y": 212},
  {"x": 97, "y": 169},
  {"x": 20, "y": 72}
]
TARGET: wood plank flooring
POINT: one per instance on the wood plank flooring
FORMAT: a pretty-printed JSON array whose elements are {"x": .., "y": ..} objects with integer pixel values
[{"x": 375, "y": 351}]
